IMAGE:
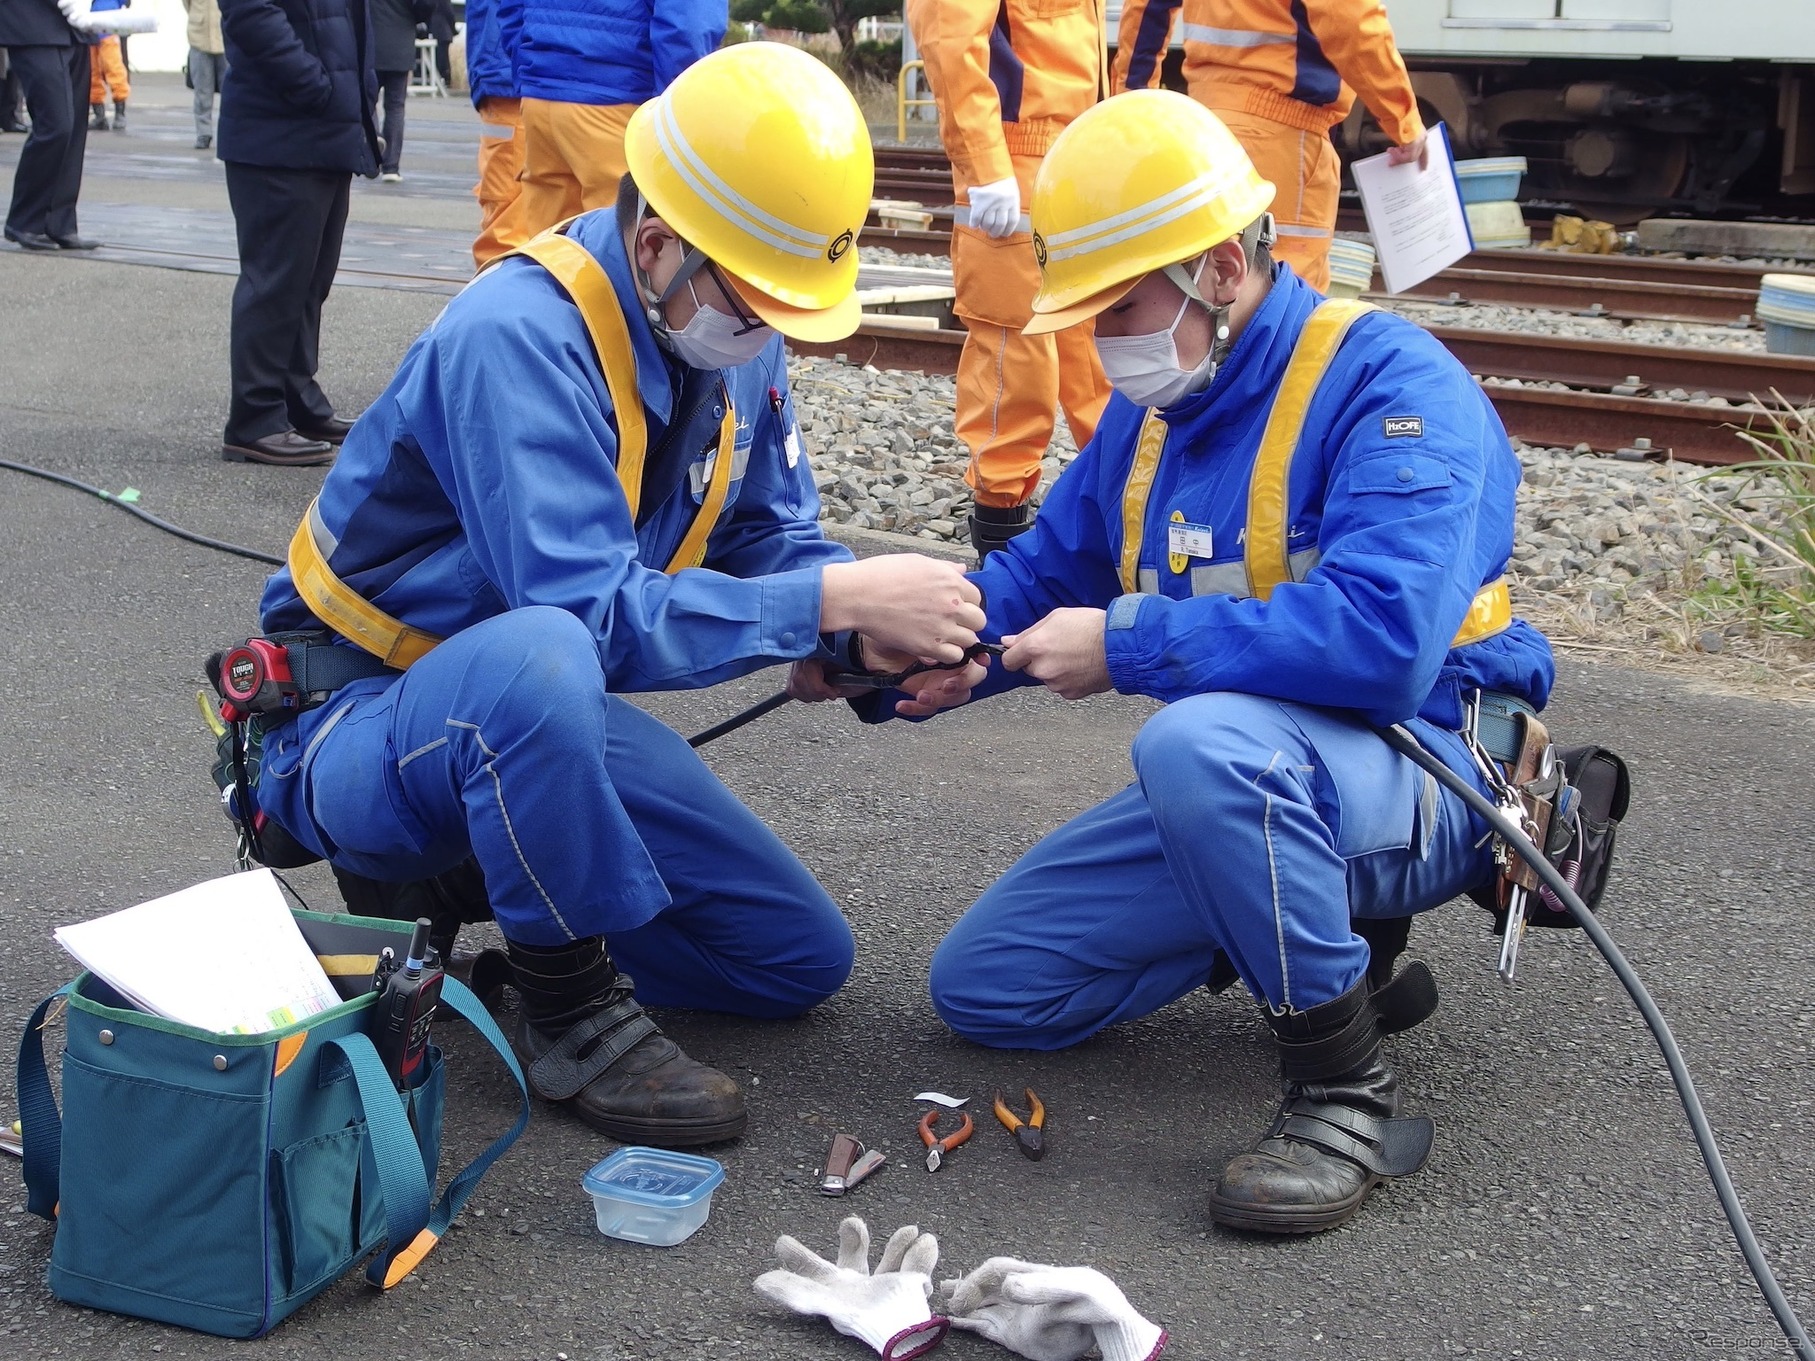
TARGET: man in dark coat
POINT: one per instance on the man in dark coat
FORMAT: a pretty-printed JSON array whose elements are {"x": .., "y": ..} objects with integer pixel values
[
  {"x": 296, "y": 125},
  {"x": 51, "y": 61}
]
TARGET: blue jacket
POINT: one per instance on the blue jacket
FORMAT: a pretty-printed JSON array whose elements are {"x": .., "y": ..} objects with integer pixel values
[
  {"x": 483, "y": 480},
  {"x": 612, "y": 51},
  {"x": 491, "y": 37},
  {"x": 1407, "y": 526},
  {"x": 300, "y": 85}
]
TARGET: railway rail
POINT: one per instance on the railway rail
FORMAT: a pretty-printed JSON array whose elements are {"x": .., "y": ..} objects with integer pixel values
[{"x": 1611, "y": 400}]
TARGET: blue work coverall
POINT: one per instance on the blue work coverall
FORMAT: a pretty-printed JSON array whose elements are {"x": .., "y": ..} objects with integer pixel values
[
  {"x": 1264, "y": 810},
  {"x": 477, "y": 500}
]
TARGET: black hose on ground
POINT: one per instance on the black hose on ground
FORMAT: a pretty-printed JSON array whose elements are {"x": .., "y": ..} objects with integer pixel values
[
  {"x": 187, "y": 535},
  {"x": 1407, "y": 746}
]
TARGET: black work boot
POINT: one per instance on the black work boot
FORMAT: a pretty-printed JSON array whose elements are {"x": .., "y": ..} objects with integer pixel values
[
  {"x": 993, "y": 526},
  {"x": 119, "y": 115},
  {"x": 97, "y": 117},
  {"x": 586, "y": 1044},
  {"x": 1400, "y": 1002},
  {"x": 1336, "y": 1134}
]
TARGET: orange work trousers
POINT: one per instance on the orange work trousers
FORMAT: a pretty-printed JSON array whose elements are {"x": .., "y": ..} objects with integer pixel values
[
  {"x": 504, "y": 220},
  {"x": 1308, "y": 176},
  {"x": 573, "y": 158},
  {"x": 1011, "y": 386},
  {"x": 107, "y": 71}
]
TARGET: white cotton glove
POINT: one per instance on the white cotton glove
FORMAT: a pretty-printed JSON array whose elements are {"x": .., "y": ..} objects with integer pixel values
[
  {"x": 1048, "y": 1313},
  {"x": 115, "y": 21},
  {"x": 887, "y": 1311},
  {"x": 73, "y": 9},
  {"x": 996, "y": 208}
]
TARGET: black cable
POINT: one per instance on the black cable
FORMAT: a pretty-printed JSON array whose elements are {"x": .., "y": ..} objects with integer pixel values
[
  {"x": 1406, "y": 745},
  {"x": 738, "y": 720},
  {"x": 189, "y": 535}
]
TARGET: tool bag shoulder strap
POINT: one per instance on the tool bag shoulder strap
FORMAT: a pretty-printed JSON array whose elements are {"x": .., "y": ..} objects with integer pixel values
[{"x": 589, "y": 287}]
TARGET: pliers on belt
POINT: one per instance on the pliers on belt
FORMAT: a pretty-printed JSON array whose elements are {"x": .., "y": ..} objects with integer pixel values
[
  {"x": 1030, "y": 1134},
  {"x": 937, "y": 1148}
]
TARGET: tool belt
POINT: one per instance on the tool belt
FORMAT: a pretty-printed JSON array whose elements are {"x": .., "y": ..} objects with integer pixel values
[
  {"x": 1569, "y": 800},
  {"x": 264, "y": 682}
]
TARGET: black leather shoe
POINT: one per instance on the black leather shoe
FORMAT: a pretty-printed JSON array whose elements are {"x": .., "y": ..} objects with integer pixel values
[
  {"x": 75, "y": 243},
  {"x": 331, "y": 431},
  {"x": 585, "y": 1044},
  {"x": 1338, "y": 1132},
  {"x": 30, "y": 240},
  {"x": 285, "y": 449}
]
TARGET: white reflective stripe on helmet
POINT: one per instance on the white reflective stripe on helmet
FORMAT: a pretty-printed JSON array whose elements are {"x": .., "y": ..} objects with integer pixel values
[
  {"x": 1234, "y": 37},
  {"x": 1155, "y": 213},
  {"x": 771, "y": 230}
]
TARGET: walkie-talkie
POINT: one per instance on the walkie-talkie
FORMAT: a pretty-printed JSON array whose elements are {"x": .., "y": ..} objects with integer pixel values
[{"x": 405, "y": 1009}]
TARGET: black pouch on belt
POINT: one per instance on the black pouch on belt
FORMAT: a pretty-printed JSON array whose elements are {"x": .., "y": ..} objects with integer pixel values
[{"x": 1581, "y": 844}]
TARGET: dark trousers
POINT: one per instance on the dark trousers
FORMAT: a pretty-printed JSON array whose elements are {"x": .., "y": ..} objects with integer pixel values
[
  {"x": 289, "y": 224},
  {"x": 396, "y": 88},
  {"x": 49, "y": 175}
]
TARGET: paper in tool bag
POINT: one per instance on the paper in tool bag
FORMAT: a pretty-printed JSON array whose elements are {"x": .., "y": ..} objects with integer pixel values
[{"x": 224, "y": 956}]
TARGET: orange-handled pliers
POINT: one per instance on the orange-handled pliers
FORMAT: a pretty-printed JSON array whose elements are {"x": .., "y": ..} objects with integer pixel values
[
  {"x": 1030, "y": 1134},
  {"x": 937, "y": 1148}
]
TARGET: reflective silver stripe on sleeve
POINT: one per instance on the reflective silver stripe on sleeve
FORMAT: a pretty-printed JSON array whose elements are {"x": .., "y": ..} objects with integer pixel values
[
  {"x": 1148, "y": 579},
  {"x": 1235, "y": 37},
  {"x": 1293, "y": 229}
]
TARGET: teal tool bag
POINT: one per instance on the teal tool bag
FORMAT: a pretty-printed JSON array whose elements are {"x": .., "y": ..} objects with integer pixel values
[{"x": 220, "y": 1182}]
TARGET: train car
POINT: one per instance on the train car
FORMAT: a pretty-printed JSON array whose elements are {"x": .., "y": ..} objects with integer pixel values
[{"x": 1621, "y": 107}]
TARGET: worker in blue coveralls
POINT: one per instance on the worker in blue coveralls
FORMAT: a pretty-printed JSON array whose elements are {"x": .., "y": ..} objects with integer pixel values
[
  {"x": 1291, "y": 526},
  {"x": 586, "y": 479}
]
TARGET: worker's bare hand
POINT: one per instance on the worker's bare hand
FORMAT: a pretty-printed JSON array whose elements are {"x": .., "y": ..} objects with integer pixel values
[
  {"x": 1418, "y": 149},
  {"x": 905, "y": 603},
  {"x": 809, "y": 681},
  {"x": 1064, "y": 652},
  {"x": 931, "y": 691}
]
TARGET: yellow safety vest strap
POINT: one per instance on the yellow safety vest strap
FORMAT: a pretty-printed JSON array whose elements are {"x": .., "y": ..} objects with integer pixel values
[
  {"x": 589, "y": 286},
  {"x": 1490, "y": 614},
  {"x": 347, "y": 612},
  {"x": 1269, "y": 490},
  {"x": 692, "y": 551},
  {"x": 1147, "y": 451}
]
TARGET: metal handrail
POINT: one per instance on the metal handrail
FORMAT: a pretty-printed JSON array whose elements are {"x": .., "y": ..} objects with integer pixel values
[{"x": 902, "y": 102}]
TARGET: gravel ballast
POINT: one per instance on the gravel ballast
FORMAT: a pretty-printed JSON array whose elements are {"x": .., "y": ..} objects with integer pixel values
[{"x": 1608, "y": 553}]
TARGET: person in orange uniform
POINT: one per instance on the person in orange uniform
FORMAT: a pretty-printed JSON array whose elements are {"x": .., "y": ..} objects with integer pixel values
[
  {"x": 1281, "y": 74},
  {"x": 1008, "y": 76},
  {"x": 491, "y": 34}
]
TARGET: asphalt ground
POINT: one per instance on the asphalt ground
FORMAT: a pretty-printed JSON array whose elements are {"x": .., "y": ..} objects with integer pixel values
[{"x": 1564, "y": 1213}]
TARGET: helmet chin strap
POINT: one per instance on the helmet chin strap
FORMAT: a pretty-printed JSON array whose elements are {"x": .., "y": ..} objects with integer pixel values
[
  {"x": 1258, "y": 233},
  {"x": 692, "y": 261}
]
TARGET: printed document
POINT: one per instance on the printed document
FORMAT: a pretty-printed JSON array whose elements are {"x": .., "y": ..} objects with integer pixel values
[
  {"x": 224, "y": 956},
  {"x": 1415, "y": 213}
]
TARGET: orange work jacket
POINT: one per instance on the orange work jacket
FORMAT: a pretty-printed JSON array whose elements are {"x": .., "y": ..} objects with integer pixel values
[
  {"x": 1254, "y": 56},
  {"x": 1008, "y": 75}
]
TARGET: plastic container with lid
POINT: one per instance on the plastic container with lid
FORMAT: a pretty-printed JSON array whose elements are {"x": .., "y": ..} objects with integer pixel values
[
  {"x": 1497, "y": 225},
  {"x": 1351, "y": 267},
  {"x": 652, "y": 1195},
  {"x": 1786, "y": 305},
  {"x": 1491, "y": 179}
]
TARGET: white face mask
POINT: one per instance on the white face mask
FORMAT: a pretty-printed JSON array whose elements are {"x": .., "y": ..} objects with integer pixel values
[
  {"x": 712, "y": 340},
  {"x": 1145, "y": 368}
]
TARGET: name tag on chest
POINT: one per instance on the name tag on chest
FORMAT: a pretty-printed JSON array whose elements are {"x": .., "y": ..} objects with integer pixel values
[{"x": 1188, "y": 541}]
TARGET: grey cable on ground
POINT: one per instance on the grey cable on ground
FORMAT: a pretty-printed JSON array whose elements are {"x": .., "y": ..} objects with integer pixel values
[{"x": 1402, "y": 741}]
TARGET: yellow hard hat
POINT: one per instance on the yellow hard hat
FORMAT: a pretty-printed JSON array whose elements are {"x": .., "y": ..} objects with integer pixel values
[
  {"x": 758, "y": 156},
  {"x": 1141, "y": 181}
]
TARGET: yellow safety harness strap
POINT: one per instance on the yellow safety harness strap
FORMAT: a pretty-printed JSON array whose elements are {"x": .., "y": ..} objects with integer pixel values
[
  {"x": 1269, "y": 512},
  {"x": 587, "y": 283},
  {"x": 355, "y": 618},
  {"x": 1265, "y": 556},
  {"x": 346, "y": 611},
  {"x": 1147, "y": 452}
]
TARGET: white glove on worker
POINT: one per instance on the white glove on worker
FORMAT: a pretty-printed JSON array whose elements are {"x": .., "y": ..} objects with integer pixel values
[
  {"x": 1048, "y": 1313},
  {"x": 84, "y": 20},
  {"x": 887, "y": 1311},
  {"x": 996, "y": 208}
]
